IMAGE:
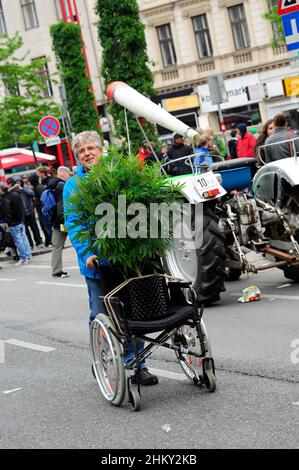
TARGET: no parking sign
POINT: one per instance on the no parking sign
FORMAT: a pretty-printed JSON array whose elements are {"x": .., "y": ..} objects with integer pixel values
[{"x": 49, "y": 126}]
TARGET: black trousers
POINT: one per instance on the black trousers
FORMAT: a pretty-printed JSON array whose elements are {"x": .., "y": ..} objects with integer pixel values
[{"x": 30, "y": 221}]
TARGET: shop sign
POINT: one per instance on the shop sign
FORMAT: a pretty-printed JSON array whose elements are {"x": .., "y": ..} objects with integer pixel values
[
  {"x": 274, "y": 88},
  {"x": 256, "y": 92},
  {"x": 291, "y": 86},
  {"x": 181, "y": 102},
  {"x": 237, "y": 93},
  {"x": 294, "y": 59}
]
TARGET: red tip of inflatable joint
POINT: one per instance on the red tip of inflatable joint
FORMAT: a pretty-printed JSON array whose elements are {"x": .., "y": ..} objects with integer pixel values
[{"x": 111, "y": 89}]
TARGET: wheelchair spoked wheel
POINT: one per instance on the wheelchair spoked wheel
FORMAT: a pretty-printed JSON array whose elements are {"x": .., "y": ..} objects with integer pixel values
[
  {"x": 198, "y": 370},
  {"x": 107, "y": 360}
]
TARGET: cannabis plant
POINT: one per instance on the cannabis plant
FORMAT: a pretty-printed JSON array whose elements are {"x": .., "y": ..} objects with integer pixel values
[{"x": 114, "y": 204}]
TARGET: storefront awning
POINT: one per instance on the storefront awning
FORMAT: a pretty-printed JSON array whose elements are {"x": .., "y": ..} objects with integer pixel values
[{"x": 11, "y": 158}]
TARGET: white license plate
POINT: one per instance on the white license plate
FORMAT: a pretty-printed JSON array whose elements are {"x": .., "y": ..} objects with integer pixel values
[{"x": 206, "y": 181}]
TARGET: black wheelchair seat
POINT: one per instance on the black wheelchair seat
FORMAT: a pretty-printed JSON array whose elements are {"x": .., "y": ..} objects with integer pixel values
[{"x": 176, "y": 315}]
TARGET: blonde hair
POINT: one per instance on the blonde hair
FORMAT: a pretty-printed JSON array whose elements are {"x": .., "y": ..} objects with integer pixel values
[{"x": 197, "y": 139}]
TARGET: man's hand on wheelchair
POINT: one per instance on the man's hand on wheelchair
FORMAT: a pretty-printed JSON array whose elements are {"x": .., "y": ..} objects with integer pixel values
[{"x": 92, "y": 263}]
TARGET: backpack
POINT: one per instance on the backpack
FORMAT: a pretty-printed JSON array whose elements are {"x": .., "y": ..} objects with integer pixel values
[{"x": 49, "y": 203}]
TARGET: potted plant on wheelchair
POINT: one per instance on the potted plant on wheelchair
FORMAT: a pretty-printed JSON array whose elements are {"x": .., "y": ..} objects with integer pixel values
[{"x": 125, "y": 208}]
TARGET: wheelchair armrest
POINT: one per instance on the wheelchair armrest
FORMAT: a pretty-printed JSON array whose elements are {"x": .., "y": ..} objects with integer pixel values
[{"x": 176, "y": 292}]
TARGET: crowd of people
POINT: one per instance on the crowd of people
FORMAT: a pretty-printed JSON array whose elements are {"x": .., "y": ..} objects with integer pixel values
[
  {"x": 25, "y": 216},
  {"x": 266, "y": 146},
  {"x": 21, "y": 197}
]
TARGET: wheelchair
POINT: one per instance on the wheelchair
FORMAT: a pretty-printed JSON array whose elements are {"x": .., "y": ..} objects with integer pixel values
[{"x": 143, "y": 306}]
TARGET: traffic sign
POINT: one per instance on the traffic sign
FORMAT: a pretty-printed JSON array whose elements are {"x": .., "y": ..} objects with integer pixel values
[
  {"x": 294, "y": 59},
  {"x": 49, "y": 126},
  {"x": 291, "y": 30},
  {"x": 287, "y": 6},
  {"x": 53, "y": 141}
]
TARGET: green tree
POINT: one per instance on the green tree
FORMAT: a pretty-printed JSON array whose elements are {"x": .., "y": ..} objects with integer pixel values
[
  {"x": 272, "y": 15},
  {"x": 23, "y": 103},
  {"x": 124, "y": 58},
  {"x": 67, "y": 45}
]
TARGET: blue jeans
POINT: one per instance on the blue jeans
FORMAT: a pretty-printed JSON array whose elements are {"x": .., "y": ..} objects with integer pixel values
[
  {"x": 20, "y": 239},
  {"x": 95, "y": 290}
]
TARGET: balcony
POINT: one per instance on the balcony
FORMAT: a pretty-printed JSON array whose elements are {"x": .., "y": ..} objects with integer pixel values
[
  {"x": 278, "y": 50},
  {"x": 242, "y": 57}
]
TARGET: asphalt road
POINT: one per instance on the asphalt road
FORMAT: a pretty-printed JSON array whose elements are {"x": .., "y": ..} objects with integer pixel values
[{"x": 48, "y": 398}]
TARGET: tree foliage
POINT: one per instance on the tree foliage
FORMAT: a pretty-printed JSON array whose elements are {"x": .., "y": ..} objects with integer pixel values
[
  {"x": 67, "y": 45},
  {"x": 122, "y": 175},
  {"x": 23, "y": 103},
  {"x": 124, "y": 58},
  {"x": 272, "y": 15}
]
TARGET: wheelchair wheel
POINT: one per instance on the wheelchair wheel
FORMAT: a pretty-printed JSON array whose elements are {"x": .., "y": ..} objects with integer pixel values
[
  {"x": 209, "y": 379},
  {"x": 187, "y": 337},
  {"x": 134, "y": 400},
  {"x": 107, "y": 360}
]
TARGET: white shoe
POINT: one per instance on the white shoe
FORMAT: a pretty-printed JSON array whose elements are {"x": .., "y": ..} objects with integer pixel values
[{"x": 22, "y": 262}]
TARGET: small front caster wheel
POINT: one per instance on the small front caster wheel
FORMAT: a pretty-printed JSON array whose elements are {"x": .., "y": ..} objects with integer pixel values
[
  {"x": 210, "y": 381},
  {"x": 134, "y": 400}
]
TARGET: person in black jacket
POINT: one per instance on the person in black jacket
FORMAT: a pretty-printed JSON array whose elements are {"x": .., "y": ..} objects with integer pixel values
[
  {"x": 28, "y": 195},
  {"x": 178, "y": 150},
  {"x": 39, "y": 183},
  {"x": 59, "y": 234},
  {"x": 232, "y": 144},
  {"x": 15, "y": 216}
]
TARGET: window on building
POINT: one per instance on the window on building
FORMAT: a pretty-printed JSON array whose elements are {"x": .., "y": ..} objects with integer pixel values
[
  {"x": 239, "y": 27},
  {"x": 45, "y": 77},
  {"x": 29, "y": 14},
  {"x": 2, "y": 20},
  {"x": 202, "y": 36},
  {"x": 166, "y": 45},
  {"x": 58, "y": 8},
  {"x": 11, "y": 84}
]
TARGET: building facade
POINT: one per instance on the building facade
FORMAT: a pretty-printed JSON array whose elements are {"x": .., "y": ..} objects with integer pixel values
[
  {"x": 190, "y": 40},
  {"x": 32, "y": 18}
]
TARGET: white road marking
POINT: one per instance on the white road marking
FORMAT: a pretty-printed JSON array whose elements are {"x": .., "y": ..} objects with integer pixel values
[
  {"x": 168, "y": 374},
  {"x": 7, "y": 280},
  {"x": 272, "y": 297},
  {"x": 283, "y": 286},
  {"x": 61, "y": 284},
  {"x": 296, "y": 403},
  {"x": 23, "y": 344},
  {"x": 48, "y": 266},
  {"x": 12, "y": 391}
]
